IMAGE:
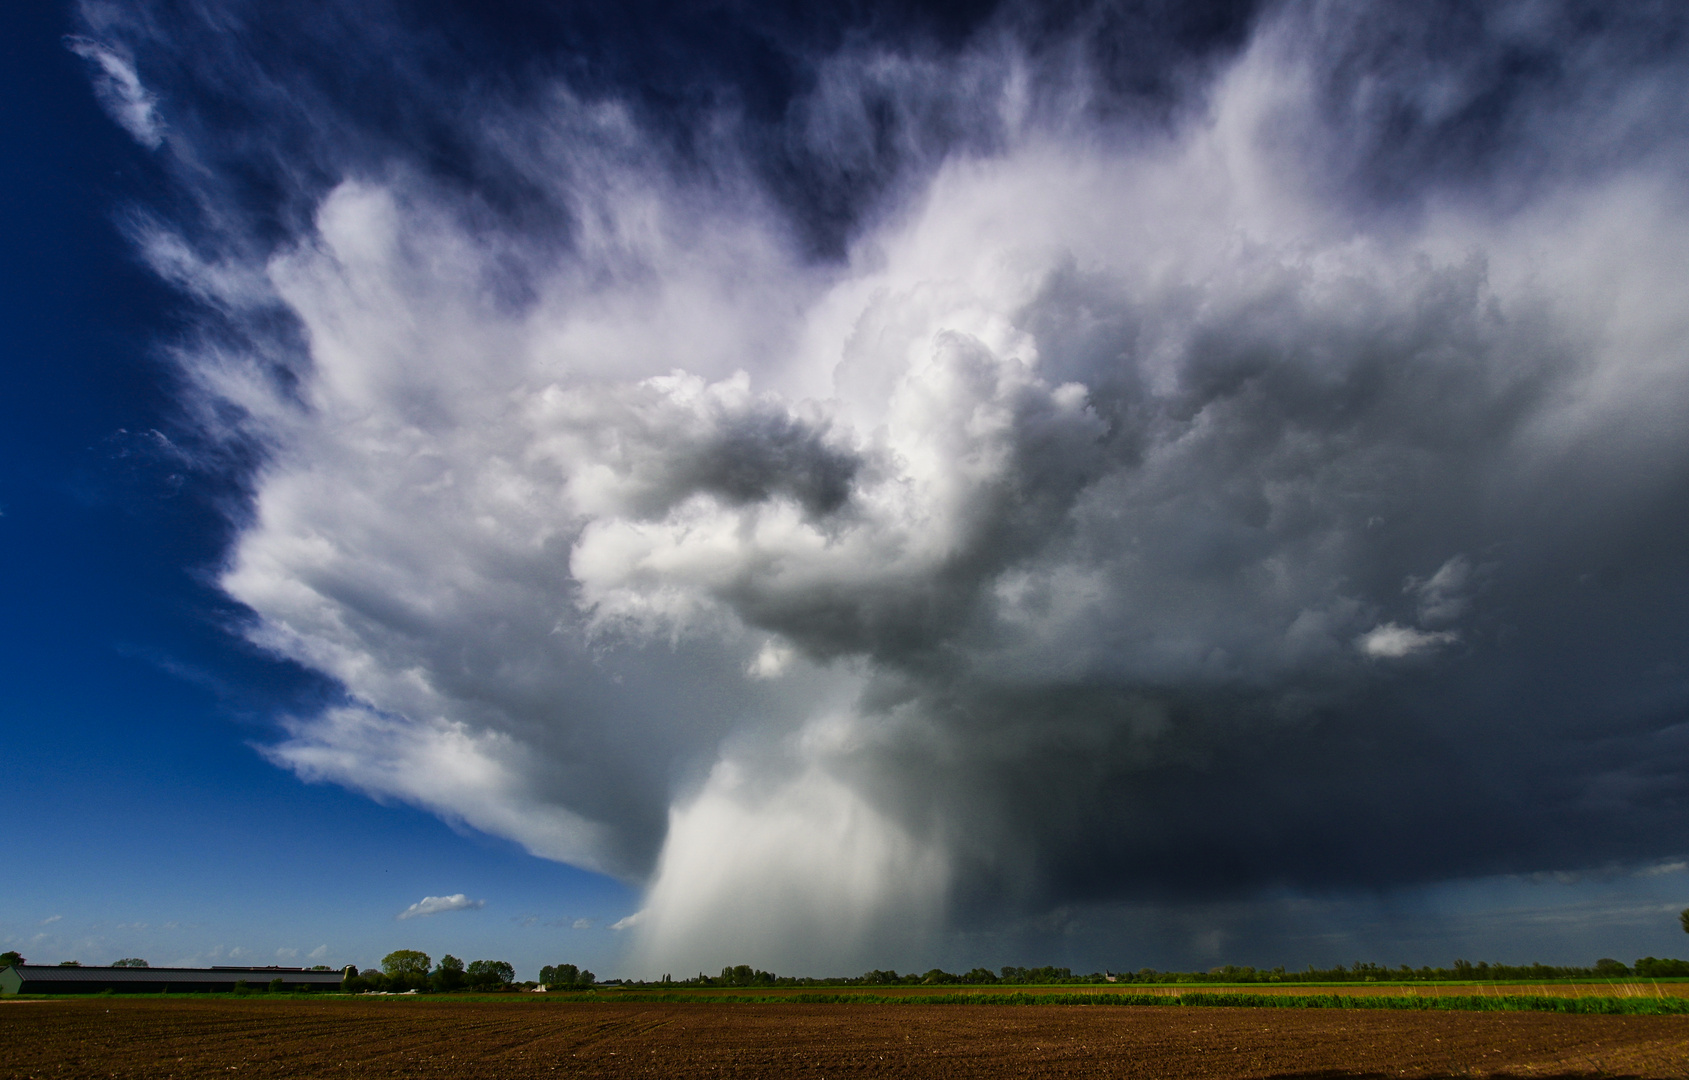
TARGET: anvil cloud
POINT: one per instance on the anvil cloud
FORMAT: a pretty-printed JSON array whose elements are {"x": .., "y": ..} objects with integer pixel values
[{"x": 974, "y": 488}]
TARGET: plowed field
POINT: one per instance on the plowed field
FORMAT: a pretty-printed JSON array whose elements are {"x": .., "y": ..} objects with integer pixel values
[{"x": 527, "y": 1038}]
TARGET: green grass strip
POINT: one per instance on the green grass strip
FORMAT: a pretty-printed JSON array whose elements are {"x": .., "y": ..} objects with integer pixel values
[{"x": 1606, "y": 1006}]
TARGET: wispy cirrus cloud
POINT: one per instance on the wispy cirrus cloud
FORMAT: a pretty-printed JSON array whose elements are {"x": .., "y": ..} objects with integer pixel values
[{"x": 119, "y": 89}]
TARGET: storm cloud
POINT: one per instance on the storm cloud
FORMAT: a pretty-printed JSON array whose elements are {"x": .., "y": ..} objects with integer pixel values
[{"x": 990, "y": 472}]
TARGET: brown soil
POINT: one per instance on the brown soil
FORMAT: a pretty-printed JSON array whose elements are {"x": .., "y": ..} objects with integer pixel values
[
  {"x": 1644, "y": 988},
  {"x": 534, "y": 1038}
]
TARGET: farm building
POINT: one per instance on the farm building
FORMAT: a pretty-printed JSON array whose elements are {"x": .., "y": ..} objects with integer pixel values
[{"x": 51, "y": 979}]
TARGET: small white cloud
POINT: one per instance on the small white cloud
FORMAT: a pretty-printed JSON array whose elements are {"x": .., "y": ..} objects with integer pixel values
[
  {"x": 51, "y": 919},
  {"x": 119, "y": 89},
  {"x": 771, "y": 662},
  {"x": 317, "y": 953},
  {"x": 1392, "y": 642},
  {"x": 435, "y": 905},
  {"x": 628, "y": 922},
  {"x": 582, "y": 924},
  {"x": 286, "y": 954}
]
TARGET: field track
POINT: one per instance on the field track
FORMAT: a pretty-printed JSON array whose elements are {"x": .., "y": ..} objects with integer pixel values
[{"x": 92, "y": 1037}]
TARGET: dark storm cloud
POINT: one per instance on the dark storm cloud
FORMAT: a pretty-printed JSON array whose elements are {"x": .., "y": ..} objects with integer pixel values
[{"x": 934, "y": 468}]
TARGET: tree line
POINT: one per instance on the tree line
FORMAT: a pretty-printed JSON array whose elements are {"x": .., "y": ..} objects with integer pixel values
[
  {"x": 746, "y": 976},
  {"x": 408, "y": 970}
]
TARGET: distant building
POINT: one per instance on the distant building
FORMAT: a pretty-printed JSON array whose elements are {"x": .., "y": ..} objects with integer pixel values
[{"x": 51, "y": 979}]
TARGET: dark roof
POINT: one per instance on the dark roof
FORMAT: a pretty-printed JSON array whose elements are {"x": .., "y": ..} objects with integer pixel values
[{"x": 54, "y": 973}]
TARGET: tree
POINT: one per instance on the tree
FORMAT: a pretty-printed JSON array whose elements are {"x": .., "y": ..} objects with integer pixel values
[
  {"x": 129, "y": 961},
  {"x": 11, "y": 957},
  {"x": 490, "y": 973},
  {"x": 1683, "y": 917},
  {"x": 406, "y": 962},
  {"x": 561, "y": 975},
  {"x": 566, "y": 975},
  {"x": 449, "y": 975}
]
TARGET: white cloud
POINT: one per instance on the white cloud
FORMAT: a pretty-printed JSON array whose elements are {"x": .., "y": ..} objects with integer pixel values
[
  {"x": 771, "y": 661},
  {"x": 51, "y": 919},
  {"x": 1389, "y": 641},
  {"x": 435, "y": 905},
  {"x": 473, "y": 776},
  {"x": 581, "y": 924},
  {"x": 317, "y": 953},
  {"x": 120, "y": 91},
  {"x": 285, "y": 953}
]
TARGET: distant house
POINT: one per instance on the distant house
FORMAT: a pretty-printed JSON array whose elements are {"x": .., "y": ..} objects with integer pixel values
[{"x": 51, "y": 979}]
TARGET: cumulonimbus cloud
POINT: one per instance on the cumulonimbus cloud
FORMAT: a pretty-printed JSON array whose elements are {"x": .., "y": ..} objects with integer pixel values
[{"x": 1137, "y": 508}]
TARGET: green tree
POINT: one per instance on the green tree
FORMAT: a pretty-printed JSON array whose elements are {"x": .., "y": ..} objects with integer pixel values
[
  {"x": 1683, "y": 917},
  {"x": 490, "y": 973},
  {"x": 449, "y": 975},
  {"x": 406, "y": 962},
  {"x": 10, "y": 958},
  {"x": 561, "y": 975},
  {"x": 566, "y": 975},
  {"x": 129, "y": 961}
]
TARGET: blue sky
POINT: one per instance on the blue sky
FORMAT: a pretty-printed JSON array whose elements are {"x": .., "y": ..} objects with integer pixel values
[
  {"x": 951, "y": 485},
  {"x": 168, "y": 837}
]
